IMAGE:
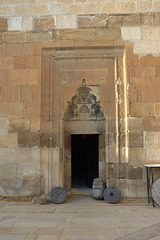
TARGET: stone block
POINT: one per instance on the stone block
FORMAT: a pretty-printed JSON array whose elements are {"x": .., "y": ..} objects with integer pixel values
[
  {"x": 3, "y": 24},
  {"x": 135, "y": 172},
  {"x": 23, "y": 77},
  {"x": 141, "y": 109},
  {"x": 108, "y": 34},
  {"x": 26, "y": 93},
  {"x": 157, "y": 109},
  {"x": 14, "y": 23},
  {"x": 27, "y": 170},
  {"x": 40, "y": 10},
  {"x": 152, "y": 140},
  {"x": 135, "y": 139},
  {"x": 153, "y": 156},
  {"x": 115, "y": 21},
  {"x": 8, "y": 155},
  {"x": 27, "y": 23},
  {"x": 4, "y": 124},
  {"x": 147, "y": 19},
  {"x": 144, "y": 6},
  {"x": 31, "y": 186},
  {"x": 18, "y": 125},
  {"x": 11, "y": 187},
  {"x": 157, "y": 71},
  {"x": 17, "y": 49},
  {"x": 142, "y": 72},
  {"x": 137, "y": 156},
  {"x": 156, "y": 19},
  {"x": 65, "y": 21},
  {"x": 8, "y": 141},
  {"x": 27, "y": 155},
  {"x": 131, "y": 20},
  {"x": 14, "y": 37},
  {"x": 151, "y": 124},
  {"x": 126, "y": 7},
  {"x": 26, "y": 62},
  {"x": 22, "y": 9},
  {"x": 6, "y": 63},
  {"x": 135, "y": 124},
  {"x": 3, "y": 49},
  {"x": 92, "y": 21},
  {"x": 150, "y": 33},
  {"x": 8, "y": 94},
  {"x": 11, "y": 109},
  {"x": 150, "y": 94},
  {"x": 44, "y": 23},
  {"x": 132, "y": 188},
  {"x": 156, "y": 5},
  {"x": 108, "y": 7},
  {"x": 8, "y": 170},
  {"x": 35, "y": 125},
  {"x": 85, "y": 34},
  {"x": 91, "y": 8},
  {"x": 131, "y": 33},
  {"x": 122, "y": 171},
  {"x": 32, "y": 110},
  {"x": 143, "y": 47},
  {"x": 28, "y": 139},
  {"x": 39, "y": 37},
  {"x": 6, "y": 10}
]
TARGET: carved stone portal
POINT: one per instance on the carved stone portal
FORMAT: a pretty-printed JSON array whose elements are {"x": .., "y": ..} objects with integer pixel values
[{"x": 84, "y": 105}]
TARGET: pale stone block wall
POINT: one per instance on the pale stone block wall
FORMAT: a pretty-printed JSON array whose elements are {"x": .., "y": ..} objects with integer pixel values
[{"x": 28, "y": 26}]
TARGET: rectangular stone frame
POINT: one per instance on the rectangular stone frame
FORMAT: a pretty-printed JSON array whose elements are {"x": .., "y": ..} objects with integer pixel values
[{"x": 53, "y": 148}]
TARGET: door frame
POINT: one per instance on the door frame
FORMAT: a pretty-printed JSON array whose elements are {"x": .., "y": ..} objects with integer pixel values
[{"x": 84, "y": 127}]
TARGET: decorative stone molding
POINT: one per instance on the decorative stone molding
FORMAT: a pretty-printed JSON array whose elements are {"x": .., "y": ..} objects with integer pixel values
[{"x": 84, "y": 105}]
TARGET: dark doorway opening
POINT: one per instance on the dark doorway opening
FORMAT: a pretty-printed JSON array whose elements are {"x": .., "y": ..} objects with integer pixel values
[{"x": 85, "y": 159}]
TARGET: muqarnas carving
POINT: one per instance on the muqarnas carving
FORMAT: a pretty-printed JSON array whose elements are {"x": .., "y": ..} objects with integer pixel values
[{"x": 84, "y": 105}]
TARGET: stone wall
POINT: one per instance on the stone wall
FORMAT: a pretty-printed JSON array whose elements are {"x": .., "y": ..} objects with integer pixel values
[{"x": 27, "y": 28}]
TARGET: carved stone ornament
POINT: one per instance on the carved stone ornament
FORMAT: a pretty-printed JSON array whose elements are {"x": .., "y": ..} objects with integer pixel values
[{"x": 84, "y": 105}]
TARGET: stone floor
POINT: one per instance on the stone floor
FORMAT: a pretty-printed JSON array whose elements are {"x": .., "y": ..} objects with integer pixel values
[{"x": 80, "y": 217}]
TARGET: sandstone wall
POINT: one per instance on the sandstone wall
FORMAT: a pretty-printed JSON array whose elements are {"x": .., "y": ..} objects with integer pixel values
[{"x": 29, "y": 26}]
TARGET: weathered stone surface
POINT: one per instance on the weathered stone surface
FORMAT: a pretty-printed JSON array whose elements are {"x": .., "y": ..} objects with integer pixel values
[
  {"x": 40, "y": 10},
  {"x": 3, "y": 24},
  {"x": 108, "y": 34},
  {"x": 18, "y": 125},
  {"x": 11, "y": 187},
  {"x": 85, "y": 34},
  {"x": 92, "y": 21},
  {"x": 23, "y": 77},
  {"x": 131, "y": 33},
  {"x": 44, "y": 23},
  {"x": 97, "y": 193},
  {"x": 136, "y": 139},
  {"x": 147, "y": 19},
  {"x": 4, "y": 124},
  {"x": 26, "y": 62},
  {"x": 8, "y": 141},
  {"x": 28, "y": 139},
  {"x": 131, "y": 20},
  {"x": 31, "y": 186},
  {"x": 141, "y": 109},
  {"x": 15, "y": 23},
  {"x": 27, "y": 23},
  {"x": 14, "y": 37},
  {"x": 135, "y": 172},
  {"x": 98, "y": 183},
  {"x": 66, "y": 21},
  {"x": 144, "y": 6}
]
